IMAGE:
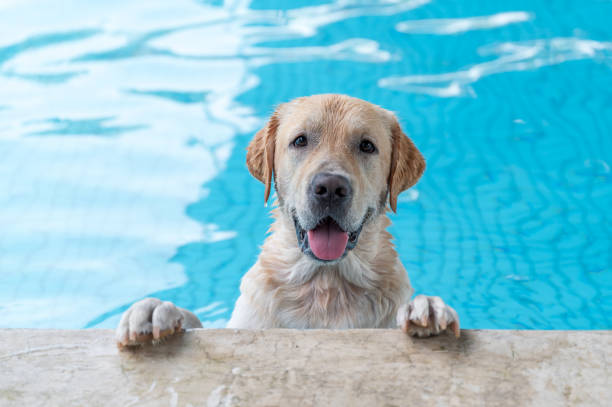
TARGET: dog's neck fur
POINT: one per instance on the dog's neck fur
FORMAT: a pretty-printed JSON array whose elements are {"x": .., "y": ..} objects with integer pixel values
[{"x": 363, "y": 289}]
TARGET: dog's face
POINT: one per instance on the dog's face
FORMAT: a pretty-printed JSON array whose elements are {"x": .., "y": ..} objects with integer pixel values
[{"x": 335, "y": 160}]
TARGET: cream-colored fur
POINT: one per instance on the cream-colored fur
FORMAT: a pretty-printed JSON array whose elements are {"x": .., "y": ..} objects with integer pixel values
[{"x": 285, "y": 288}]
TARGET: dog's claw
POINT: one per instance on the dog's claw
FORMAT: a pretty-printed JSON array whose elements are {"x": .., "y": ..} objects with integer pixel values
[
  {"x": 148, "y": 321},
  {"x": 427, "y": 316},
  {"x": 456, "y": 329}
]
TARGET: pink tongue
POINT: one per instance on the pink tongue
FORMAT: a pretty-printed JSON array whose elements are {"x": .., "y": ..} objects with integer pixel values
[{"x": 327, "y": 241}]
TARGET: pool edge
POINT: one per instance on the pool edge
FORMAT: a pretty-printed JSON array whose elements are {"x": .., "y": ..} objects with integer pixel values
[{"x": 313, "y": 367}]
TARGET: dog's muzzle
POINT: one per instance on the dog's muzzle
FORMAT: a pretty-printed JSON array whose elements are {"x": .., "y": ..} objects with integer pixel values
[{"x": 326, "y": 235}]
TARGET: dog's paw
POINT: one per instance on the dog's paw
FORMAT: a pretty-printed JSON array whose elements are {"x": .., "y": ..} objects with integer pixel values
[
  {"x": 148, "y": 321},
  {"x": 427, "y": 316}
]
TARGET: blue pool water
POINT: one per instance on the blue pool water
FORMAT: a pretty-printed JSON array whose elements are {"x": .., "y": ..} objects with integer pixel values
[{"x": 123, "y": 127}]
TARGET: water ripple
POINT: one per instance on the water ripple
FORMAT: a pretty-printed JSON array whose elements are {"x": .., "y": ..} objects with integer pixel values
[
  {"x": 450, "y": 26},
  {"x": 43, "y": 40},
  {"x": 510, "y": 56},
  {"x": 84, "y": 127}
]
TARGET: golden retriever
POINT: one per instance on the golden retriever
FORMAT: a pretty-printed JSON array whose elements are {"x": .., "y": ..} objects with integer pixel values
[{"x": 336, "y": 162}]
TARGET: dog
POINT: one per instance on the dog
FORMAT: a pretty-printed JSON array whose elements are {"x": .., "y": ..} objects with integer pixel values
[{"x": 338, "y": 165}]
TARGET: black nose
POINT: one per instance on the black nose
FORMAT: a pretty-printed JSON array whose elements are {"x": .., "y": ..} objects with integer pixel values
[{"x": 330, "y": 189}]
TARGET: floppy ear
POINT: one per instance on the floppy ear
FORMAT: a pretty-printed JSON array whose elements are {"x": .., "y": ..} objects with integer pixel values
[
  {"x": 407, "y": 164},
  {"x": 260, "y": 154}
]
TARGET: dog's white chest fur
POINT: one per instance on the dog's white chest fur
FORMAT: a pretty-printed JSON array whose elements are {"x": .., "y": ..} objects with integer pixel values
[
  {"x": 326, "y": 300},
  {"x": 285, "y": 289},
  {"x": 331, "y": 301}
]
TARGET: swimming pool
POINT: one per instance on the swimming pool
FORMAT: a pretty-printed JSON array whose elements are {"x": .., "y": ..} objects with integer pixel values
[{"x": 123, "y": 128}]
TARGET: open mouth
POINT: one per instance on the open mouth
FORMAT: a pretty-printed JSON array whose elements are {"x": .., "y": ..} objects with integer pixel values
[{"x": 327, "y": 241}]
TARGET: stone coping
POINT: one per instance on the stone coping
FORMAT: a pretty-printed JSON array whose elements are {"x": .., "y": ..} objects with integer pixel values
[{"x": 365, "y": 367}]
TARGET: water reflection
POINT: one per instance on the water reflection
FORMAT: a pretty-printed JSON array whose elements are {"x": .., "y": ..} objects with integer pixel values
[
  {"x": 95, "y": 127},
  {"x": 450, "y": 26},
  {"x": 509, "y": 56}
]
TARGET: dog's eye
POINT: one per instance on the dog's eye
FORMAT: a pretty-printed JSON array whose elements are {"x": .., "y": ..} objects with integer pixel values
[
  {"x": 300, "y": 141},
  {"x": 367, "y": 147}
]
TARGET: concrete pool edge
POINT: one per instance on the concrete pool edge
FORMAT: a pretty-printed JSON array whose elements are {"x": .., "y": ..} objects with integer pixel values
[{"x": 316, "y": 367}]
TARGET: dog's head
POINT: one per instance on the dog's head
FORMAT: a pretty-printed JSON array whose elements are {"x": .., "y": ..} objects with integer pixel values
[{"x": 335, "y": 160}]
